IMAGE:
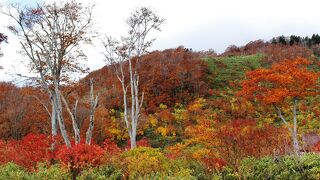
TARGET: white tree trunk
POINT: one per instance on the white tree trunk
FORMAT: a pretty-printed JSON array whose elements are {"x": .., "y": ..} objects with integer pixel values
[
  {"x": 54, "y": 130},
  {"x": 57, "y": 101},
  {"x": 140, "y": 24},
  {"x": 93, "y": 105},
  {"x": 73, "y": 116}
]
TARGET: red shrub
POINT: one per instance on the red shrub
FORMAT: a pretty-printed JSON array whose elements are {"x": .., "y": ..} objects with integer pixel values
[
  {"x": 35, "y": 148},
  {"x": 27, "y": 152},
  {"x": 80, "y": 156},
  {"x": 111, "y": 148}
]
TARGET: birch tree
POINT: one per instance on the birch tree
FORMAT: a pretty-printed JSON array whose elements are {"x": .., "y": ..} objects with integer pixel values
[
  {"x": 93, "y": 105},
  {"x": 50, "y": 35},
  {"x": 93, "y": 102},
  {"x": 124, "y": 56}
]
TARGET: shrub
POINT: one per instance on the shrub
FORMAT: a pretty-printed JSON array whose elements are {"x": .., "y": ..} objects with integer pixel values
[
  {"x": 112, "y": 152},
  {"x": 196, "y": 168},
  {"x": 145, "y": 162},
  {"x": 13, "y": 171},
  {"x": 286, "y": 167},
  {"x": 311, "y": 165},
  {"x": 80, "y": 156},
  {"x": 54, "y": 172},
  {"x": 101, "y": 173},
  {"x": 182, "y": 174},
  {"x": 27, "y": 152},
  {"x": 263, "y": 168}
]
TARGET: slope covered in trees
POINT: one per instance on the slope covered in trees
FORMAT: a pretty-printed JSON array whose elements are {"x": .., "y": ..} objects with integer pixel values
[
  {"x": 251, "y": 112},
  {"x": 192, "y": 111}
]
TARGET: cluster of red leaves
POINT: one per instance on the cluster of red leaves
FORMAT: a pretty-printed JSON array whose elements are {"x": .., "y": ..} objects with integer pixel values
[
  {"x": 111, "y": 148},
  {"x": 288, "y": 79},
  {"x": 242, "y": 138},
  {"x": 233, "y": 141},
  {"x": 35, "y": 148},
  {"x": 80, "y": 156},
  {"x": 27, "y": 152},
  {"x": 213, "y": 163}
]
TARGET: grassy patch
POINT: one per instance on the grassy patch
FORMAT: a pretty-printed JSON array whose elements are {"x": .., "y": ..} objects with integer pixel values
[{"x": 223, "y": 70}]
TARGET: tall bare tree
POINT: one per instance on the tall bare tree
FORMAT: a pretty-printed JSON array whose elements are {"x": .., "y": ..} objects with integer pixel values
[
  {"x": 124, "y": 55},
  {"x": 50, "y": 35}
]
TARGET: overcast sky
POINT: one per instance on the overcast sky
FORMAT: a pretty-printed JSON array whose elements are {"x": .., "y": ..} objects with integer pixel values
[{"x": 196, "y": 24}]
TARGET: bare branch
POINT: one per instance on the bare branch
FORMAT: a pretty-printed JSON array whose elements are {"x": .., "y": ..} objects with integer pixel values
[{"x": 120, "y": 54}]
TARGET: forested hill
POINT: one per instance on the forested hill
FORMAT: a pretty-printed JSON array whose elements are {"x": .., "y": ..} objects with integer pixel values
[{"x": 200, "y": 108}]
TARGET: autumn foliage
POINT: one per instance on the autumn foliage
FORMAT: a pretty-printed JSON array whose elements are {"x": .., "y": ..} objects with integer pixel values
[
  {"x": 170, "y": 114},
  {"x": 276, "y": 53},
  {"x": 167, "y": 77},
  {"x": 80, "y": 156},
  {"x": 316, "y": 147},
  {"x": 20, "y": 112},
  {"x": 204, "y": 120},
  {"x": 28, "y": 152},
  {"x": 288, "y": 79}
]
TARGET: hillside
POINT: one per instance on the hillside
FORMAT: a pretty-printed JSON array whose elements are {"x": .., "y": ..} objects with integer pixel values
[
  {"x": 192, "y": 111},
  {"x": 250, "y": 112}
]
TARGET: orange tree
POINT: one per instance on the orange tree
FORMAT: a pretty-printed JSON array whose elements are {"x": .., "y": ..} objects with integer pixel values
[{"x": 282, "y": 86}]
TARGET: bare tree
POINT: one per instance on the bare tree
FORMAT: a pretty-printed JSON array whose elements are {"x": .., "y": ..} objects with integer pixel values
[
  {"x": 73, "y": 115},
  {"x": 93, "y": 101},
  {"x": 93, "y": 105},
  {"x": 50, "y": 36},
  {"x": 120, "y": 54}
]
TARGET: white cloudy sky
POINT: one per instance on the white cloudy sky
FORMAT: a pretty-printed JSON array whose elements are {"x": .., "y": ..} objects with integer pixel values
[{"x": 196, "y": 24}]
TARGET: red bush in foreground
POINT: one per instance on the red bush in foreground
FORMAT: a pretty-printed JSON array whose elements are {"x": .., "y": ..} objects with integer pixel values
[
  {"x": 80, "y": 156},
  {"x": 29, "y": 151},
  {"x": 35, "y": 148}
]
